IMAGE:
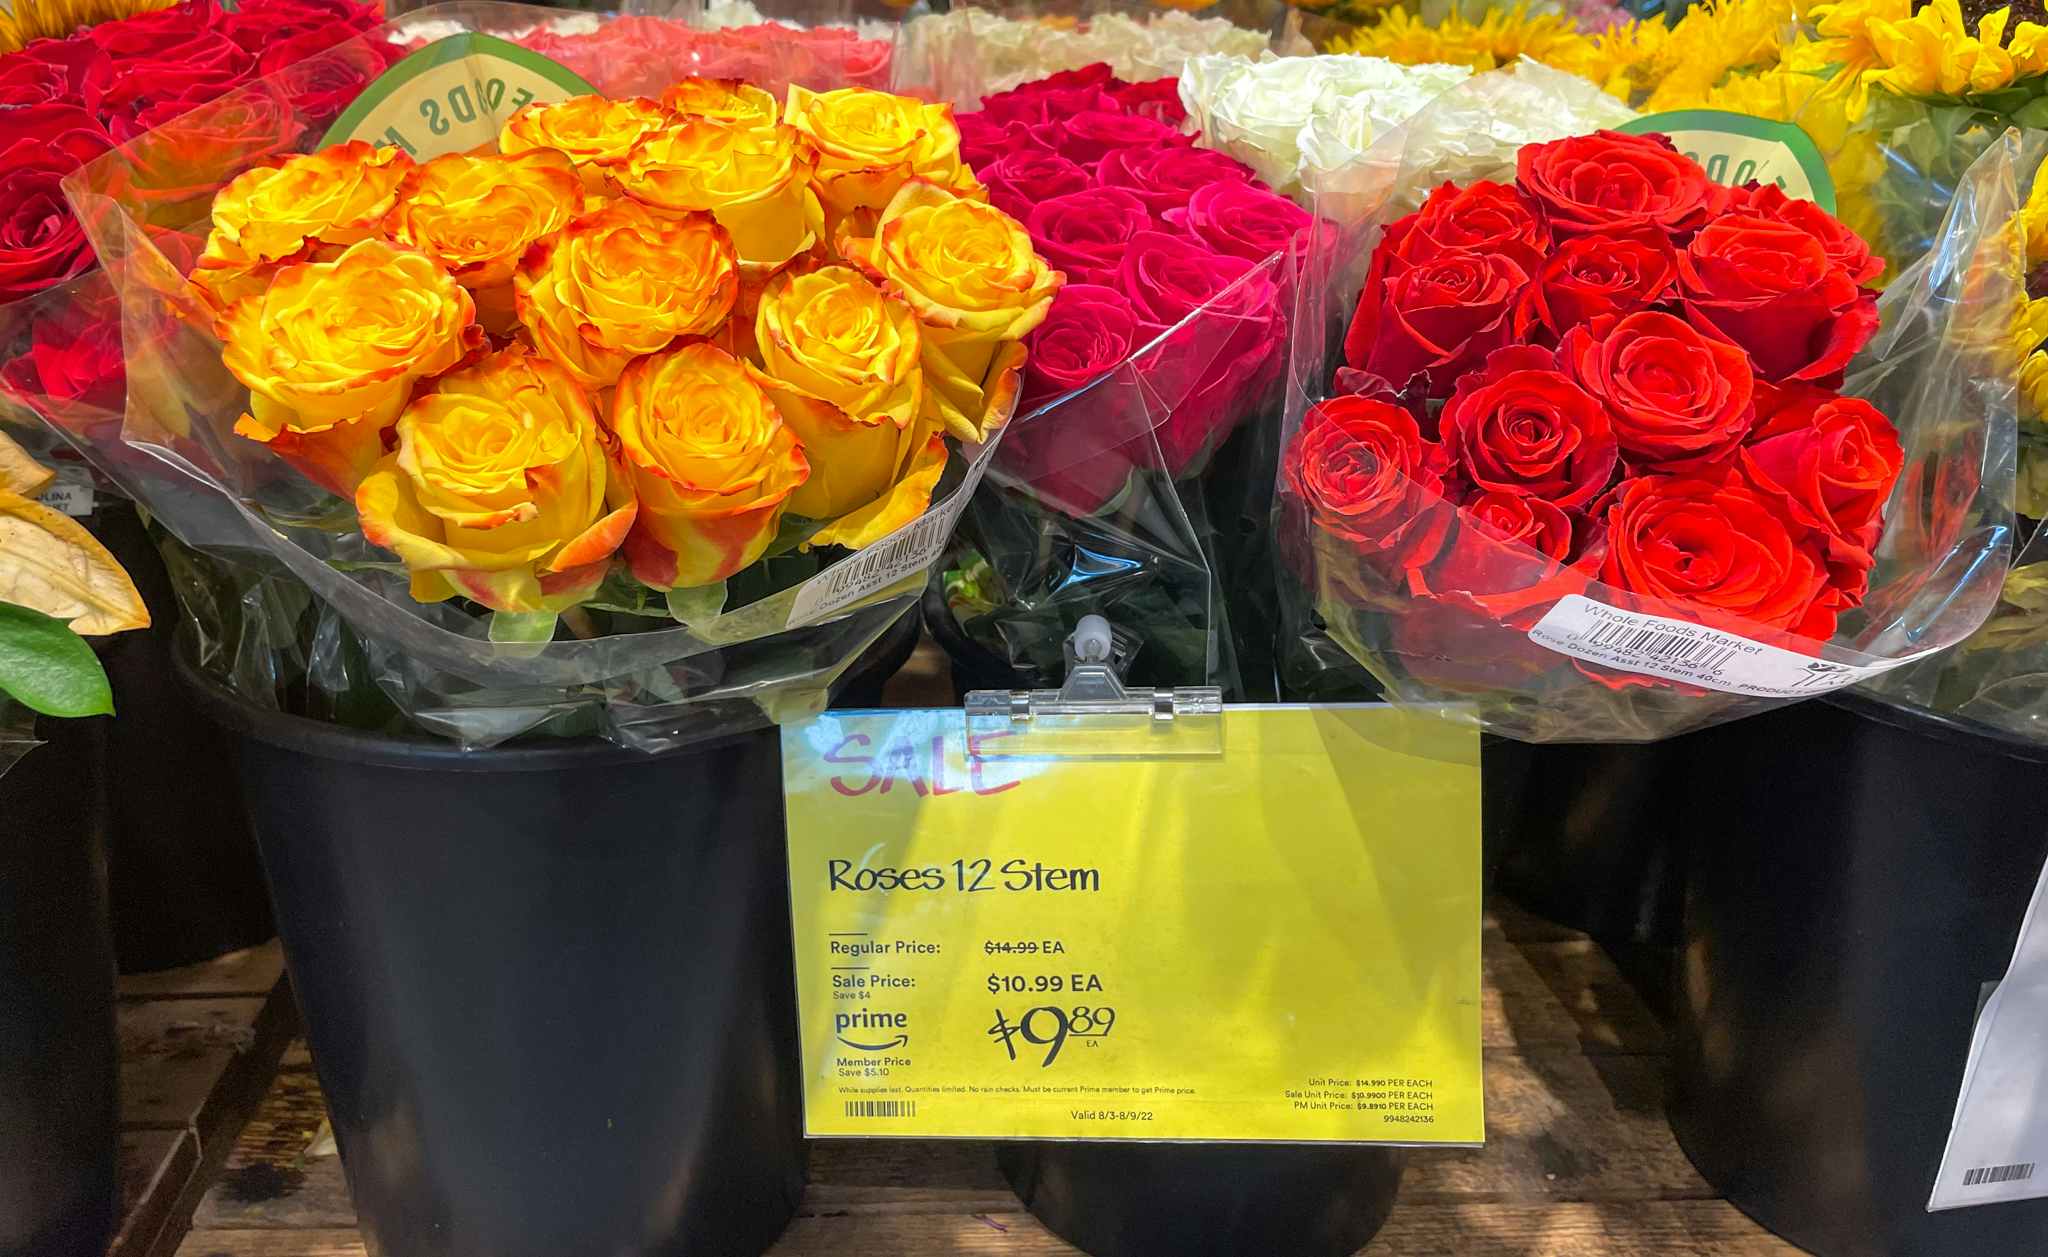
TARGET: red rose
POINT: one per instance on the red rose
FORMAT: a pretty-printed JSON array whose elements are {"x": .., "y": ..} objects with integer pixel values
[
  {"x": 26, "y": 81},
  {"x": 1714, "y": 546},
  {"x": 1595, "y": 275},
  {"x": 1019, "y": 180},
  {"x": 1242, "y": 219},
  {"x": 1608, "y": 181},
  {"x": 985, "y": 141},
  {"x": 1079, "y": 454},
  {"x": 1844, "y": 247},
  {"x": 1211, "y": 368},
  {"x": 1773, "y": 290},
  {"x": 1519, "y": 425},
  {"x": 1833, "y": 462},
  {"x": 148, "y": 91},
  {"x": 1675, "y": 395},
  {"x": 319, "y": 73},
  {"x": 85, "y": 69},
  {"x": 263, "y": 25},
  {"x": 1086, "y": 233},
  {"x": 156, "y": 33},
  {"x": 1166, "y": 176},
  {"x": 1084, "y": 137},
  {"x": 1158, "y": 99},
  {"x": 1434, "y": 319},
  {"x": 1363, "y": 471},
  {"x": 71, "y": 361},
  {"x": 1481, "y": 217},
  {"x": 1510, "y": 554},
  {"x": 40, "y": 242},
  {"x": 176, "y": 169}
]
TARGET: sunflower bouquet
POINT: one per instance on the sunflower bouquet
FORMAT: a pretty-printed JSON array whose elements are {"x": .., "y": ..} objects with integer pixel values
[{"x": 632, "y": 415}]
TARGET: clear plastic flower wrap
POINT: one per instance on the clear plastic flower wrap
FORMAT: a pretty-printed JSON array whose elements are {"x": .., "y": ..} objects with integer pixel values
[
  {"x": 298, "y": 609},
  {"x": 1456, "y": 554},
  {"x": 975, "y": 49}
]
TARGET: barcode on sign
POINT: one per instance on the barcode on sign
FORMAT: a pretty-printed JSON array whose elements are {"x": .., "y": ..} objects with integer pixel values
[
  {"x": 881, "y": 1108},
  {"x": 1984, "y": 1175},
  {"x": 1669, "y": 647}
]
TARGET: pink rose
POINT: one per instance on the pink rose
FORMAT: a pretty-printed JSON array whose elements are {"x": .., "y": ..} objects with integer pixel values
[
  {"x": 1019, "y": 180},
  {"x": 1079, "y": 454},
  {"x": 1243, "y": 220},
  {"x": 1166, "y": 176},
  {"x": 1085, "y": 137},
  {"x": 1086, "y": 233}
]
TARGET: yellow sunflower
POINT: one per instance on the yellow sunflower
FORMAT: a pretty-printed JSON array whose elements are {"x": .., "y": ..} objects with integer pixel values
[
  {"x": 25, "y": 21},
  {"x": 1500, "y": 38},
  {"x": 1931, "y": 53}
]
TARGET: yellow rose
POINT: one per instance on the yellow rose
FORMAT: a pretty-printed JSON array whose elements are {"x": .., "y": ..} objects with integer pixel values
[
  {"x": 734, "y": 102},
  {"x": 870, "y": 143},
  {"x": 622, "y": 282},
  {"x": 501, "y": 488},
  {"x": 839, "y": 358},
  {"x": 757, "y": 183},
  {"x": 477, "y": 216},
  {"x": 712, "y": 462},
  {"x": 331, "y": 350},
  {"x": 978, "y": 287},
  {"x": 277, "y": 214},
  {"x": 595, "y": 133}
]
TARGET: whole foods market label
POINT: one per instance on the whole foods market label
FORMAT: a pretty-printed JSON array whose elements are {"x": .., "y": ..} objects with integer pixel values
[
  {"x": 1998, "y": 1143},
  {"x": 907, "y": 552},
  {"x": 72, "y": 492},
  {"x": 1678, "y": 650},
  {"x": 1279, "y": 943},
  {"x": 1739, "y": 148},
  {"x": 453, "y": 96}
]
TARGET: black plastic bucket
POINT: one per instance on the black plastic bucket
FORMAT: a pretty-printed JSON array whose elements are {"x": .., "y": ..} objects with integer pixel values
[
  {"x": 1206, "y": 1200},
  {"x": 862, "y": 683},
  {"x": 547, "y": 987},
  {"x": 59, "y": 1121},
  {"x": 1858, "y": 874},
  {"x": 1584, "y": 834}
]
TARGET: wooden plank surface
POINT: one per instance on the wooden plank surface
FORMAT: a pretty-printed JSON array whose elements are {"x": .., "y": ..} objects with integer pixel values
[
  {"x": 199, "y": 1048},
  {"x": 1578, "y": 1162}
]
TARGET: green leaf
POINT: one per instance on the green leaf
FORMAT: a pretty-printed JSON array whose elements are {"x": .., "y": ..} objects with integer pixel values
[
  {"x": 513, "y": 628},
  {"x": 697, "y": 606},
  {"x": 49, "y": 668}
]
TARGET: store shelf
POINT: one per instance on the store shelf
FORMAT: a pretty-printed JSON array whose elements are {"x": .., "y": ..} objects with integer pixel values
[
  {"x": 1578, "y": 1162},
  {"x": 199, "y": 1048}
]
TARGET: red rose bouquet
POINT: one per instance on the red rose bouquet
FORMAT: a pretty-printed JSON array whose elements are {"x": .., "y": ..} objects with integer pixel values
[
  {"x": 1615, "y": 449},
  {"x": 1170, "y": 335},
  {"x": 64, "y": 102}
]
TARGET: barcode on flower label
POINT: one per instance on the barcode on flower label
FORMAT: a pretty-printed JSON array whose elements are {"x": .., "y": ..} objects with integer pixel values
[
  {"x": 881, "y": 1108},
  {"x": 909, "y": 550},
  {"x": 1987, "y": 1174},
  {"x": 1655, "y": 645}
]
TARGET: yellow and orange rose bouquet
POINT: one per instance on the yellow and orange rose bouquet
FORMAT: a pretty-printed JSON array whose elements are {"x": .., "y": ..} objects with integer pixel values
[{"x": 663, "y": 336}]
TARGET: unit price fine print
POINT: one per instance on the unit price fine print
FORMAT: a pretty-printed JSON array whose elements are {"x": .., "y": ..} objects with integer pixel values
[{"x": 1397, "y": 1100}]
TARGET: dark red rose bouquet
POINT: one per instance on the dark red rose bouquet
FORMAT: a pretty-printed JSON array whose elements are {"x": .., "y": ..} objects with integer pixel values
[
  {"x": 1592, "y": 429},
  {"x": 64, "y": 102}
]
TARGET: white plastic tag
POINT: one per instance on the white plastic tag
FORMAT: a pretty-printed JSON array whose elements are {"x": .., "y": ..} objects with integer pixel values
[
  {"x": 1655, "y": 645},
  {"x": 71, "y": 492},
  {"x": 905, "y": 552},
  {"x": 1998, "y": 1144}
]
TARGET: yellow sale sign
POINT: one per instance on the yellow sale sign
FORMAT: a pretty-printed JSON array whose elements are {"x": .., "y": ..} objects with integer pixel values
[{"x": 1277, "y": 943}]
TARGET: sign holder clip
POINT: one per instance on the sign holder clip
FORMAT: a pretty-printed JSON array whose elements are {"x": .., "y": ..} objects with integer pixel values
[{"x": 1094, "y": 715}]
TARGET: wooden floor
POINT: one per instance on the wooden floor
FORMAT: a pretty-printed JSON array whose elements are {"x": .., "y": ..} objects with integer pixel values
[{"x": 1578, "y": 1162}]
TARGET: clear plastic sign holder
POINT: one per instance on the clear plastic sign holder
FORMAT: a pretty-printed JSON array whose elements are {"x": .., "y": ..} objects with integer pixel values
[{"x": 1094, "y": 715}]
